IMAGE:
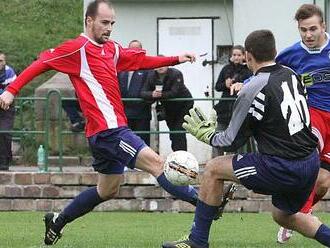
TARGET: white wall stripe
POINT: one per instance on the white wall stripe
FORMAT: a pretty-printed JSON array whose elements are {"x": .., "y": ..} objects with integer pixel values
[{"x": 97, "y": 91}]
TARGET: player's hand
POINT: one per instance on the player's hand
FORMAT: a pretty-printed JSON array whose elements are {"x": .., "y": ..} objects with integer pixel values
[
  {"x": 157, "y": 94},
  {"x": 191, "y": 57},
  {"x": 199, "y": 125},
  {"x": 6, "y": 99},
  {"x": 236, "y": 87},
  {"x": 229, "y": 82}
]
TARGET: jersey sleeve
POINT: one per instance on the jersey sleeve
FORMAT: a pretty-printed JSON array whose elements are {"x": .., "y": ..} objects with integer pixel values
[
  {"x": 64, "y": 58},
  {"x": 240, "y": 127},
  {"x": 136, "y": 59},
  {"x": 238, "y": 130}
]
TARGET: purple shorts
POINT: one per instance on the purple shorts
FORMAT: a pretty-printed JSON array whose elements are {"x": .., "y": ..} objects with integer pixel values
[
  {"x": 289, "y": 182},
  {"x": 113, "y": 149}
]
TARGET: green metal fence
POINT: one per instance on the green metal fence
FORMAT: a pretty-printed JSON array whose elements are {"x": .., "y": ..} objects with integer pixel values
[{"x": 23, "y": 106}]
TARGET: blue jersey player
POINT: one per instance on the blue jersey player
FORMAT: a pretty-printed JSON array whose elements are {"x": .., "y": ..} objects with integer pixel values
[
  {"x": 310, "y": 58},
  {"x": 272, "y": 108}
]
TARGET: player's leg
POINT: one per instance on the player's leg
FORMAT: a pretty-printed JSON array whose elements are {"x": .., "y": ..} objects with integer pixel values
[
  {"x": 319, "y": 121},
  {"x": 149, "y": 161},
  {"x": 322, "y": 183},
  {"x": 308, "y": 225},
  {"x": 109, "y": 161},
  {"x": 86, "y": 201},
  {"x": 216, "y": 171},
  {"x": 319, "y": 129}
]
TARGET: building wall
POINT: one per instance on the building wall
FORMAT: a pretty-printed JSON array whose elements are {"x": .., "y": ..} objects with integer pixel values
[
  {"x": 138, "y": 20},
  {"x": 277, "y": 16}
]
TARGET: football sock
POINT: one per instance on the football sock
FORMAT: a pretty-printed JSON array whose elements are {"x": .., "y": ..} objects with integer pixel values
[
  {"x": 200, "y": 230},
  {"x": 323, "y": 235},
  {"x": 81, "y": 204},
  {"x": 185, "y": 193}
]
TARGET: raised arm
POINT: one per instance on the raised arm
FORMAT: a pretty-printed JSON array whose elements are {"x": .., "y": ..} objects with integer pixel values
[
  {"x": 7, "y": 97},
  {"x": 133, "y": 59}
]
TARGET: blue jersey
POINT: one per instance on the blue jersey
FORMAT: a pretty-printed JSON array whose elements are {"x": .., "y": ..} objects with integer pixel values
[
  {"x": 313, "y": 65},
  {"x": 6, "y": 77}
]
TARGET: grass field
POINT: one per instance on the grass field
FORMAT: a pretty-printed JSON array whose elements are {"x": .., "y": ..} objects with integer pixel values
[{"x": 144, "y": 230}]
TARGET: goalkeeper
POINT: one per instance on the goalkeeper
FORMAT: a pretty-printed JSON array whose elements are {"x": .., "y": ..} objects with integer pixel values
[{"x": 272, "y": 108}]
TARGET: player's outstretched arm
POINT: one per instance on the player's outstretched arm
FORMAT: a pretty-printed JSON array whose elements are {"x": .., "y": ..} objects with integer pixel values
[{"x": 6, "y": 99}]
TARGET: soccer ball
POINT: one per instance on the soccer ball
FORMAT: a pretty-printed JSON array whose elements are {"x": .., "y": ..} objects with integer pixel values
[{"x": 181, "y": 168}]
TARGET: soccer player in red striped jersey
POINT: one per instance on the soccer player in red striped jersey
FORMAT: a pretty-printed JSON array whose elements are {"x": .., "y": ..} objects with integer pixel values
[{"x": 92, "y": 61}]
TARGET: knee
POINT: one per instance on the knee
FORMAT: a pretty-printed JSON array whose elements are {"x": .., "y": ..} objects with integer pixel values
[
  {"x": 323, "y": 180},
  {"x": 108, "y": 193},
  {"x": 210, "y": 171},
  {"x": 285, "y": 220},
  {"x": 280, "y": 219}
]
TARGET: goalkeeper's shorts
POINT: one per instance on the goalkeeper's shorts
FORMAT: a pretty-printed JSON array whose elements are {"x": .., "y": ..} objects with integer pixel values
[{"x": 289, "y": 182}]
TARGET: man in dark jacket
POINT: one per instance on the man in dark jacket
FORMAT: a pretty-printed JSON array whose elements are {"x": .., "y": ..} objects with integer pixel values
[
  {"x": 166, "y": 83},
  {"x": 138, "y": 113},
  {"x": 233, "y": 72},
  {"x": 7, "y": 75}
]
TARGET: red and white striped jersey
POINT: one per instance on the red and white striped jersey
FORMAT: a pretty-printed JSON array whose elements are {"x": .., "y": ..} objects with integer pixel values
[{"x": 93, "y": 68}]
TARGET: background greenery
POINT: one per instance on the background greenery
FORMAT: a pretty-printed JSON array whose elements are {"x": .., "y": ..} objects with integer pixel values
[
  {"x": 31, "y": 26},
  {"x": 145, "y": 230},
  {"x": 27, "y": 28}
]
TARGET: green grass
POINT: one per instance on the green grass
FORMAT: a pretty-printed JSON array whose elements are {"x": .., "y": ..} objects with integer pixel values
[
  {"x": 31, "y": 26},
  {"x": 144, "y": 230}
]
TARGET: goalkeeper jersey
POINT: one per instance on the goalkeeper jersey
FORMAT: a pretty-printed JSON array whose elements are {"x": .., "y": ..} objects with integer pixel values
[
  {"x": 313, "y": 65},
  {"x": 271, "y": 107},
  {"x": 93, "y": 68}
]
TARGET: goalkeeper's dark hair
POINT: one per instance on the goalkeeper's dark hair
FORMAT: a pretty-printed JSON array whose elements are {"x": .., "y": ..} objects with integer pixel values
[
  {"x": 261, "y": 44},
  {"x": 92, "y": 8},
  {"x": 308, "y": 10}
]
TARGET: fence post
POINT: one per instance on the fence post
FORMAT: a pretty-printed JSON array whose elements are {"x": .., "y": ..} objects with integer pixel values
[{"x": 59, "y": 130}]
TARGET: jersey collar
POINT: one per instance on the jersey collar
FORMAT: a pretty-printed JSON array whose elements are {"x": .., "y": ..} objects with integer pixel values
[
  {"x": 92, "y": 41},
  {"x": 267, "y": 68},
  {"x": 315, "y": 50}
]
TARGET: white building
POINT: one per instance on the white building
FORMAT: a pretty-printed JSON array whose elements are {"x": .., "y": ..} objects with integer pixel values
[{"x": 204, "y": 26}]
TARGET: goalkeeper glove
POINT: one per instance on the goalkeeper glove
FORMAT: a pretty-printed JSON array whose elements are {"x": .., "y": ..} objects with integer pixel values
[{"x": 200, "y": 126}]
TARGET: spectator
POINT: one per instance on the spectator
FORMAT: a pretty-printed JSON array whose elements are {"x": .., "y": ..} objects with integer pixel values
[
  {"x": 138, "y": 113},
  {"x": 72, "y": 109},
  {"x": 234, "y": 72},
  {"x": 7, "y": 75},
  {"x": 166, "y": 83}
]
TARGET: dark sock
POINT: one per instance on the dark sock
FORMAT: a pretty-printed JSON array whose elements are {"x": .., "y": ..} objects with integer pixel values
[
  {"x": 323, "y": 235},
  {"x": 185, "y": 193},
  {"x": 200, "y": 230},
  {"x": 83, "y": 203}
]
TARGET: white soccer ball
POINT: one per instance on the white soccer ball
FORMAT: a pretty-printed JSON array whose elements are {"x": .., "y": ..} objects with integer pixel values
[{"x": 181, "y": 168}]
